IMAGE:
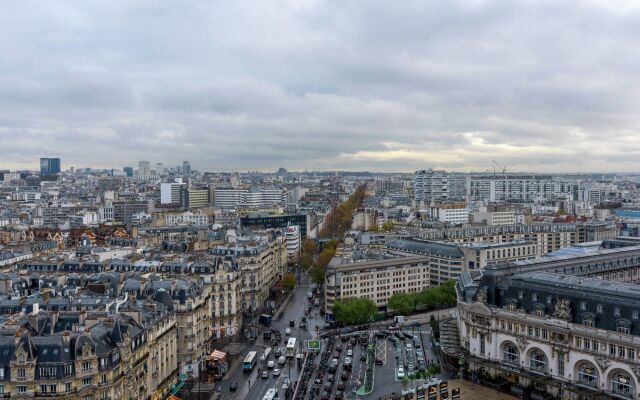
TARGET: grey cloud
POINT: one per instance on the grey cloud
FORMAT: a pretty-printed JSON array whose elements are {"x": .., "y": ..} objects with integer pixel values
[{"x": 540, "y": 85}]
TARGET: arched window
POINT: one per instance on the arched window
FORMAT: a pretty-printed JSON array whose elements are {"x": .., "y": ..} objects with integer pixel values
[
  {"x": 538, "y": 361},
  {"x": 510, "y": 354},
  {"x": 587, "y": 375},
  {"x": 622, "y": 384}
]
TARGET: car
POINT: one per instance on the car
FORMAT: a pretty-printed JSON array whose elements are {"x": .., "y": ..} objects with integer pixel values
[
  {"x": 363, "y": 357},
  {"x": 287, "y": 331},
  {"x": 401, "y": 373},
  {"x": 330, "y": 378},
  {"x": 344, "y": 377},
  {"x": 265, "y": 374},
  {"x": 317, "y": 381},
  {"x": 338, "y": 395},
  {"x": 379, "y": 361},
  {"x": 271, "y": 364},
  {"x": 276, "y": 372},
  {"x": 349, "y": 352},
  {"x": 341, "y": 386},
  {"x": 233, "y": 387},
  {"x": 347, "y": 360},
  {"x": 338, "y": 348}
]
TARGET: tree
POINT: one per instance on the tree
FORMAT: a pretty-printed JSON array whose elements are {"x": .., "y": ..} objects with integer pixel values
[
  {"x": 405, "y": 382},
  {"x": 317, "y": 275},
  {"x": 308, "y": 253},
  {"x": 388, "y": 225},
  {"x": 403, "y": 303},
  {"x": 354, "y": 311},
  {"x": 288, "y": 281}
]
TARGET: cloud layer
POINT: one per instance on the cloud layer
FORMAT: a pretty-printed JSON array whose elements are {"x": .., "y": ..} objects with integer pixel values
[{"x": 378, "y": 85}]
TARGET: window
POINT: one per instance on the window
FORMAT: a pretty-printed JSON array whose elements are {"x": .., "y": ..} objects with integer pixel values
[
  {"x": 612, "y": 349},
  {"x": 616, "y": 311},
  {"x": 21, "y": 389},
  {"x": 534, "y": 297},
  {"x": 53, "y": 388},
  {"x": 482, "y": 344},
  {"x": 560, "y": 363},
  {"x": 22, "y": 373},
  {"x": 67, "y": 386},
  {"x": 622, "y": 384},
  {"x": 587, "y": 320},
  {"x": 538, "y": 361},
  {"x": 86, "y": 366},
  {"x": 511, "y": 354},
  {"x": 1, "y": 389},
  {"x": 599, "y": 308},
  {"x": 583, "y": 306},
  {"x": 67, "y": 370},
  {"x": 103, "y": 378},
  {"x": 587, "y": 375},
  {"x": 631, "y": 353},
  {"x": 86, "y": 382},
  {"x": 43, "y": 388},
  {"x": 623, "y": 328}
]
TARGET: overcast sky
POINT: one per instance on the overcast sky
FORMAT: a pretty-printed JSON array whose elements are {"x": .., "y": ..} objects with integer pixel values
[{"x": 377, "y": 85}]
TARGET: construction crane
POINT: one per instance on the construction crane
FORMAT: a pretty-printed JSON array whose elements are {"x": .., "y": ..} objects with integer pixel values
[{"x": 502, "y": 167}]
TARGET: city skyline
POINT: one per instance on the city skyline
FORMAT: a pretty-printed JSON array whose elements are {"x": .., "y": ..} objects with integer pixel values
[{"x": 390, "y": 87}]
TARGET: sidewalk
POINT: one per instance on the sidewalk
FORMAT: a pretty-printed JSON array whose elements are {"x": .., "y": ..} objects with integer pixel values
[{"x": 470, "y": 391}]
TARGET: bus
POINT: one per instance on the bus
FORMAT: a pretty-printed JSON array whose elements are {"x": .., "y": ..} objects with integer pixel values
[
  {"x": 265, "y": 356},
  {"x": 272, "y": 394},
  {"x": 250, "y": 361},
  {"x": 291, "y": 347}
]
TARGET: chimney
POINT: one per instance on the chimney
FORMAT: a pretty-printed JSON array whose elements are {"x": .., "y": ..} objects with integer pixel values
[{"x": 54, "y": 320}]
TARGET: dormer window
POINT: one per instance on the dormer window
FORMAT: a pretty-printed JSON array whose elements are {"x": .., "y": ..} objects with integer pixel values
[
  {"x": 587, "y": 320},
  {"x": 583, "y": 306},
  {"x": 599, "y": 308},
  {"x": 520, "y": 294},
  {"x": 534, "y": 297},
  {"x": 623, "y": 327},
  {"x": 616, "y": 311}
]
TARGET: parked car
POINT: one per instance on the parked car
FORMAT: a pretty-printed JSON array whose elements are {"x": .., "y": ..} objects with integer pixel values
[
  {"x": 287, "y": 331},
  {"x": 401, "y": 373},
  {"x": 276, "y": 372},
  {"x": 265, "y": 374},
  {"x": 233, "y": 387}
]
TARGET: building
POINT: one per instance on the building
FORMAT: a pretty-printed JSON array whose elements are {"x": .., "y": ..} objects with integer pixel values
[
  {"x": 144, "y": 168},
  {"x": 376, "y": 280},
  {"x": 516, "y": 188},
  {"x": 266, "y": 221},
  {"x": 186, "y": 168},
  {"x": 450, "y": 260},
  {"x": 128, "y": 171},
  {"x": 562, "y": 326},
  {"x": 49, "y": 166},
  {"x": 262, "y": 259},
  {"x": 125, "y": 212},
  {"x": 450, "y": 213},
  {"x": 495, "y": 214},
  {"x": 548, "y": 237},
  {"x": 186, "y": 218},
  {"x": 170, "y": 192},
  {"x": 193, "y": 198},
  {"x": 430, "y": 185},
  {"x": 292, "y": 236}
]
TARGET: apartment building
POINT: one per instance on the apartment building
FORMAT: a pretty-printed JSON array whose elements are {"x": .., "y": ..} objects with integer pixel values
[
  {"x": 262, "y": 258},
  {"x": 450, "y": 213},
  {"x": 450, "y": 260},
  {"x": 430, "y": 185},
  {"x": 376, "y": 280},
  {"x": 547, "y": 237},
  {"x": 495, "y": 214}
]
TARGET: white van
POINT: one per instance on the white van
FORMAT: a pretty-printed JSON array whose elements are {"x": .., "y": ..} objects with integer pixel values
[
  {"x": 282, "y": 360},
  {"x": 271, "y": 364}
]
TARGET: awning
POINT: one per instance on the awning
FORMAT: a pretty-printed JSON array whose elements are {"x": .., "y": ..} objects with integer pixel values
[{"x": 217, "y": 355}]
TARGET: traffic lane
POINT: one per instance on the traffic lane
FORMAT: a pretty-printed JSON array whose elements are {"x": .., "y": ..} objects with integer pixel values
[{"x": 264, "y": 384}]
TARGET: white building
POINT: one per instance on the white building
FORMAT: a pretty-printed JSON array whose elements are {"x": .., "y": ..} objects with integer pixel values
[
  {"x": 451, "y": 213},
  {"x": 292, "y": 236},
  {"x": 170, "y": 192},
  {"x": 430, "y": 185},
  {"x": 186, "y": 218},
  {"x": 495, "y": 215},
  {"x": 248, "y": 198}
]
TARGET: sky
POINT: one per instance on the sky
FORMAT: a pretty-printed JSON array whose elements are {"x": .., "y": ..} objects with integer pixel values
[{"x": 391, "y": 86}]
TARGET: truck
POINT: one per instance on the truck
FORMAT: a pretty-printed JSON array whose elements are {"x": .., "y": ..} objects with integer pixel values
[{"x": 265, "y": 319}]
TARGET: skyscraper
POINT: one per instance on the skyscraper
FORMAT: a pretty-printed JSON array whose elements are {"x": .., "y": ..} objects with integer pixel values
[
  {"x": 49, "y": 166},
  {"x": 128, "y": 171},
  {"x": 144, "y": 168},
  {"x": 186, "y": 168}
]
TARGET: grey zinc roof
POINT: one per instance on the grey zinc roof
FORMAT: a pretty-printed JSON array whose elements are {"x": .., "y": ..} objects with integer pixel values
[{"x": 427, "y": 248}]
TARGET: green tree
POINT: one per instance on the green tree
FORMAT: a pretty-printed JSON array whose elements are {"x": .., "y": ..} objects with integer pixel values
[
  {"x": 405, "y": 382},
  {"x": 288, "y": 281},
  {"x": 317, "y": 275},
  {"x": 388, "y": 226},
  {"x": 404, "y": 303},
  {"x": 354, "y": 311}
]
